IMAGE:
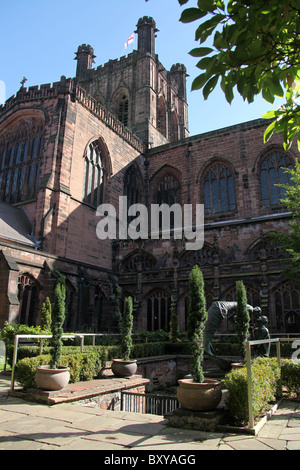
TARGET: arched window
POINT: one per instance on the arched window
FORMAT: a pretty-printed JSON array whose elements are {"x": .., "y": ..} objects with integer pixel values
[
  {"x": 287, "y": 307},
  {"x": 219, "y": 189},
  {"x": 144, "y": 260},
  {"x": 168, "y": 191},
  {"x": 162, "y": 116},
  {"x": 174, "y": 124},
  {"x": 21, "y": 152},
  {"x": 271, "y": 174},
  {"x": 94, "y": 172},
  {"x": 158, "y": 311},
  {"x": 27, "y": 296},
  {"x": 131, "y": 187},
  {"x": 200, "y": 257},
  {"x": 123, "y": 110}
]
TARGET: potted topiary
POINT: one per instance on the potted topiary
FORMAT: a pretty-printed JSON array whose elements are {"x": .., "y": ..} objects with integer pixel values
[
  {"x": 54, "y": 376},
  {"x": 125, "y": 367},
  {"x": 198, "y": 393}
]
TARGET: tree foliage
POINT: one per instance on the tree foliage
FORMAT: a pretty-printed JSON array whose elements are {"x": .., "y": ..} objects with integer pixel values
[
  {"x": 45, "y": 320},
  {"x": 252, "y": 47},
  {"x": 174, "y": 325},
  {"x": 290, "y": 241},
  {"x": 242, "y": 317},
  {"x": 126, "y": 329},
  {"x": 58, "y": 318},
  {"x": 196, "y": 321}
]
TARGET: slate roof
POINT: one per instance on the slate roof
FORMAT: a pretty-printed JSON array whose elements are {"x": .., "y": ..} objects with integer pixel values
[{"x": 15, "y": 226}]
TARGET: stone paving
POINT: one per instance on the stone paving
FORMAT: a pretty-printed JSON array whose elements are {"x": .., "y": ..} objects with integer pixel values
[{"x": 27, "y": 425}]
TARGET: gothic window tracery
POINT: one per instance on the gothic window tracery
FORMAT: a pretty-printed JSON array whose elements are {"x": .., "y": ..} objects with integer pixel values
[
  {"x": 287, "y": 307},
  {"x": 21, "y": 151},
  {"x": 94, "y": 173},
  {"x": 28, "y": 296},
  {"x": 168, "y": 191},
  {"x": 267, "y": 247},
  {"x": 271, "y": 174},
  {"x": 200, "y": 257},
  {"x": 144, "y": 261},
  {"x": 174, "y": 126},
  {"x": 162, "y": 116},
  {"x": 123, "y": 110},
  {"x": 158, "y": 311},
  {"x": 219, "y": 189},
  {"x": 131, "y": 187}
]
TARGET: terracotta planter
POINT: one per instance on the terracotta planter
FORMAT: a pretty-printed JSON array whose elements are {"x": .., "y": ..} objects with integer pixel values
[
  {"x": 237, "y": 365},
  {"x": 52, "y": 379},
  {"x": 195, "y": 396},
  {"x": 122, "y": 368}
]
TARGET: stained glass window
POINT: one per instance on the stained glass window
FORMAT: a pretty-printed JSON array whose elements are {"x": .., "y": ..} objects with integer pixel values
[
  {"x": 272, "y": 173},
  {"x": 219, "y": 190},
  {"x": 93, "y": 175}
]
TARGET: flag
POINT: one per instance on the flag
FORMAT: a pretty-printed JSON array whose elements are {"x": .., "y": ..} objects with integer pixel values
[{"x": 129, "y": 41}]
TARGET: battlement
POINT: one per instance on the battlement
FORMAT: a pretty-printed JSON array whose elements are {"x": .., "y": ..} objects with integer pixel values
[
  {"x": 46, "y": 90},
  {"x": 114, "y": 65},
  {"x": 77, "y": 93}
]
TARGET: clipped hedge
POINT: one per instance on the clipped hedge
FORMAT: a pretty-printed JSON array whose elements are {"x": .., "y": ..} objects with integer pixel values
[
  {"x": 290, "y": 376},
  {"x": 265, "y": 386},
  {"x": 83, "y": 367}
]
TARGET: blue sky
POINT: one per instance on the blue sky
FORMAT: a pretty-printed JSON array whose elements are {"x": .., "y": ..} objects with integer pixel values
[{"x": 38, "y": 39}]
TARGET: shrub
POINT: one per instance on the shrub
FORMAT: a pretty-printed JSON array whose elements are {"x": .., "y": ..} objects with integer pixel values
[
  {"x": 148, "y": 350},
  {"x": 265, "y": 385},
  {"x": 290, "y": 375},
  {"x": 150, "y": 336},
  {"x": 10, "y": 330},
  {"x": 83, "y": 366},
  {"x": 26, "y": 369}
]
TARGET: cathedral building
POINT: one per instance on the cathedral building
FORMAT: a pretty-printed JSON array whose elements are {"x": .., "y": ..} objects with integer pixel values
[{"x": 121, "y": 130}]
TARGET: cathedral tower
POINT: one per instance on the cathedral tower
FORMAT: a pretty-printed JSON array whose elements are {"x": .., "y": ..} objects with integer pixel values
[{"x": 138, "y": 90}]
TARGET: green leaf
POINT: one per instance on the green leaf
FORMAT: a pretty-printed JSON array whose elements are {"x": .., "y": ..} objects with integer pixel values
[
  {"x": 200, "y": 51},
  {"x": 268, "y": 95},
  {"x": 269, "y": 131},
  {"x": 275, "y": 86},
  {"x": 209, "y": 87},
  {"x": 228, "y": 89},
  {"x": 199, "y": 81},
  {"x": 269, "y": 115},
  {"x": 191, "y": 14},
  {"x": 206, "y": 5},
  {"x": 182, "y": 2},
  {"x": 206, "y": 63},
  {"x": 206, "y": 28}
]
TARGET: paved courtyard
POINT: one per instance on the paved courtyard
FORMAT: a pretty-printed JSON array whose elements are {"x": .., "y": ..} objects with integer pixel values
[{"x": 27, "y": 425}]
